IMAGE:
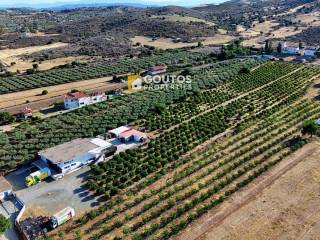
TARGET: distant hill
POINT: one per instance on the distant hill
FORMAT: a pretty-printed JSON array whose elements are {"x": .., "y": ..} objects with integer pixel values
[{"x": 63, "y": 6}]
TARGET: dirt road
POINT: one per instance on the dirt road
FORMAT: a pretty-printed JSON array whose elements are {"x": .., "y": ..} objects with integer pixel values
[
  {"x": 13, "y": 102},
  {"x": 199, "y": 229}
]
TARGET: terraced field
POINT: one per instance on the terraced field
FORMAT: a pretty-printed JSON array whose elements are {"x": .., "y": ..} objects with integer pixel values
[{"x": 156, "y": 191}]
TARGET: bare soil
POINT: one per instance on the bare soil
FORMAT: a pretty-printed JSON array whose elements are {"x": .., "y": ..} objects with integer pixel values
[
  {"x": 167, "y": 43},
  {"x": 9, "y": 56},
  {"x": 12, "y": 102}
]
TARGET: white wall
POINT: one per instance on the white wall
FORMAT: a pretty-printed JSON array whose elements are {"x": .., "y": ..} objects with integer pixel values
[
  {"x": 5, "y": 194},
  {"x": 71, "y": 103},
  {"x": 76, "y": 162}
]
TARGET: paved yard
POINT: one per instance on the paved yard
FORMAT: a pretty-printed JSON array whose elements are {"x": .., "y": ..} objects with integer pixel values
[{"x": 50, "y": 196}]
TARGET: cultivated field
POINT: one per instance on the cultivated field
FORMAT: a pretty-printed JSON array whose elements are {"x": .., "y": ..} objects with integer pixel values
[
  {"x": 288, "y": 209},
  {"x": 92, "y": 70},
  {"x": 211, "y": 146}
]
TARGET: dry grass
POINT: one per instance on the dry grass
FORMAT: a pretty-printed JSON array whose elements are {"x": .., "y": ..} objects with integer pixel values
[
  {"x": 23, "y": 65},
  {"x": 288, "y": 209},
  {"x": 9, "y": 56},
  {"x": 310, "y": 18},
  {"x": 167, "y": 43},
  {"x": 185, "y": 19}
]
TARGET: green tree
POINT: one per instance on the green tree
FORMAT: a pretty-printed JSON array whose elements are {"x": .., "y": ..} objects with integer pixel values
[
  {"x": 35, "y": 66},
  {"x": 268, "y": 47},
  {"x": 160, "y": 107},
  {"x": 5, "y": 224},
  {"x": 200, "y": 44},
  {"x": 279, "y": 48},
  {"x": 309, "y": 127},
  {"x": 6, "y": 118}
]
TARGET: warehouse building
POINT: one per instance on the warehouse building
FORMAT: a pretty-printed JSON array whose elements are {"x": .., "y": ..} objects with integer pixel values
[{"x": 72, "y": 155}]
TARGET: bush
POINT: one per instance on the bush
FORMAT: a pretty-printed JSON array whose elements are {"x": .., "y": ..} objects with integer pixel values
[
  {"x": 44, "y": 92},
  {"x": 5, "y": 224}
]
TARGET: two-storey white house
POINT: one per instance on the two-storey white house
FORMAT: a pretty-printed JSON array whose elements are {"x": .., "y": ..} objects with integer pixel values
[{"x": 79, "y": 99}]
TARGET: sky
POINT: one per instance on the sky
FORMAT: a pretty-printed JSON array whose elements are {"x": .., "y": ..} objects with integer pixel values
[{"x": 49, "y": 3}]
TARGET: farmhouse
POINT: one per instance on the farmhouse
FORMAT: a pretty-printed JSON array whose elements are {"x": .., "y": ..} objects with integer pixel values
[
  {"x": 132, "y": 135},
  {"x": 5, "y": 188},
  {"x": 289, "y": 49},
  {"x": 79, "y": 99},
  {"x": 77, "y": 153},
  {"x": 309, "y": 52},
  {"x": 126, "y": 134},
  {"x": 25, "y": 113},
  {"x": 157, "y": 69},
  {"x": 115, "y": 133}
]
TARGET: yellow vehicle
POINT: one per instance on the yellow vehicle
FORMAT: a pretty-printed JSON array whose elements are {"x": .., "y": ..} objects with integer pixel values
[{"x": 37, "y": 177}]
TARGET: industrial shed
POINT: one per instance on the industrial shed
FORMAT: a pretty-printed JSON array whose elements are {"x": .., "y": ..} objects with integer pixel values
[{"x": 72, "y": 155}]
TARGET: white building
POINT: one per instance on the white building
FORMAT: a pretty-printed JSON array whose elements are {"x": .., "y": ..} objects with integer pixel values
[
  {"x": 117, "y": 131},
  {"x": 127, "y": 134},
  {"x": 133, "y": 135},
  {"x": 5, "y": 188},
  {"x": 79, "y": 99},
  {"x": 289, "y": 49},
  {"x": 72, "y": 155},
  {"x": 309, "y": 52}
]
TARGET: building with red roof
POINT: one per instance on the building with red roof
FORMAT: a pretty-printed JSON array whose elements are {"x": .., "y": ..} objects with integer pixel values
[
  {"x": 132, "y": 135},
  {"x": 79, "y": 99},
  {"x": 157, "y": 70}
]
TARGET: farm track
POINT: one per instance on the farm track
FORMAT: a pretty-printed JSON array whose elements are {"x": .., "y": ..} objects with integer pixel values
[
  {"x": 212, "y": 219},
  {"x": 43, "y": 103}
]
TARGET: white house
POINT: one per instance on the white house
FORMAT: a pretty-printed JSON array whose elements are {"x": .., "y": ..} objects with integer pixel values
[
  {"x": 5, "y": 188},
  {"x": 309, "y": 52},
  {"x": 117, "y": 131},
  {"x": 72, "y": 155},
  {"x": 285, "y": 49},
  {"x": 76, "y": 99},
  {"x": 133, "y": 135},
  {"x": 126, "y": 134},
  {"x": 80, "y": 99}
]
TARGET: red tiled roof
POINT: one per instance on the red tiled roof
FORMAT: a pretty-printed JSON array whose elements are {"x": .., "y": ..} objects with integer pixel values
[
  {"x": 76, "y": 95},
  {"x": 97, "y": 94},
  {"x": 132, "y": 132},
  {"x": 158, "y": 68},
  {"x": 26, "y": 110}
]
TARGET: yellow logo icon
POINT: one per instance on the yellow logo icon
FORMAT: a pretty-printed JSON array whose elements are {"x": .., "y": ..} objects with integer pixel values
[{"x": 133, "y": 83}]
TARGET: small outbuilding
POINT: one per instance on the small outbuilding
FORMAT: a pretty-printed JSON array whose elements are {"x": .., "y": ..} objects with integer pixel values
[
  {"x": 115, "y": 133},
  {"x": 5, "y": 188},
  {"x": 133, "y": 135}
]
